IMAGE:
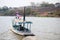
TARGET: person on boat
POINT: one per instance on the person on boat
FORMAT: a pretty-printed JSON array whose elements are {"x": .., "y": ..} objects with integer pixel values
[
  {"x": 18, "y": 16},
  {"x": 21, "y": 28}
]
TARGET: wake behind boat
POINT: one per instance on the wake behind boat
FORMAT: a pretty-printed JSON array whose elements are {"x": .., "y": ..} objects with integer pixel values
[{"x": 21, "y": 27}]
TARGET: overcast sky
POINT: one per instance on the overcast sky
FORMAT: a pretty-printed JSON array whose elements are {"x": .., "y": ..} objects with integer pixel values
[{"x": 19, "y": 3}]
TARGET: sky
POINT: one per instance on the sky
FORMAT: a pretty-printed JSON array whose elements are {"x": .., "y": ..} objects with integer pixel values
[{"x": 19, "y": 3}]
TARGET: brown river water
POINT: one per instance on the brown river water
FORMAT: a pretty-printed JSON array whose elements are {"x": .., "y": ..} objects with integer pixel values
[{"x": 45, "y": 28}]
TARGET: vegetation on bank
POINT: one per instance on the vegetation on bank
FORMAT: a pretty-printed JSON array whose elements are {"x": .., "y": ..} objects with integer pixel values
[{"x": 40, "y": 10}]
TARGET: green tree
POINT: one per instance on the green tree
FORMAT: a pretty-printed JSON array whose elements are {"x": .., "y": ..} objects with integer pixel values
[
  {"x": 4, "y": 8},
  {"x": 45, "y": 4},
  {"x": 28, "y": 11},
  {"x": 0, "y": 9},
  {"x": 57, "y": 13},
  {"x": 9, "y": 13}
]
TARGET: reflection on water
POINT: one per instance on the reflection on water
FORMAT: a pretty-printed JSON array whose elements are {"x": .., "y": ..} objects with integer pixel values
[{"x": 44, "y": 28}]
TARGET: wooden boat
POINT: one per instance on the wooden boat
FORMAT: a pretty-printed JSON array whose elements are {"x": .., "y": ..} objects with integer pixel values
[{"x": 22, "y": 27}]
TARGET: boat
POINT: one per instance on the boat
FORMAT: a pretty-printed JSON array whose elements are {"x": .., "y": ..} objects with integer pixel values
[{"x": 21, "y": 26}]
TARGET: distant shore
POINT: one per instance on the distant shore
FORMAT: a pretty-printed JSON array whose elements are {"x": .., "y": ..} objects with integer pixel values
[{"x": 31, "y": 16}]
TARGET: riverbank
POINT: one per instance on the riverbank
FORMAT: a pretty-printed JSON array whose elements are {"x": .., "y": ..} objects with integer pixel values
[{"x": 31, "y": 16}]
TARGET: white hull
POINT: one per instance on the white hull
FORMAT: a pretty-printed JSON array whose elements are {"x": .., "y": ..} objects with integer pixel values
[{"x": 21, "y": 33}]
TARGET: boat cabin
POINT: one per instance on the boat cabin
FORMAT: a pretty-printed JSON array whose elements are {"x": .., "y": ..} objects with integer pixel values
[{"x": 23, "y": 26}]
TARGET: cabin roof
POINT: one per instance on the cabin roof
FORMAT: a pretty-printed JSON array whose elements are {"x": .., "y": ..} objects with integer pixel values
[{"x": 27, "y": 22}]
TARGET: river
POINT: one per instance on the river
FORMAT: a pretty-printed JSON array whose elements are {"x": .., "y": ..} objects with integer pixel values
[{"x": 45, "y": 28}]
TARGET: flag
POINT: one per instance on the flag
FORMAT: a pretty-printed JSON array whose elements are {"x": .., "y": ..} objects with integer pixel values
[{"x": 17, "y": 14}]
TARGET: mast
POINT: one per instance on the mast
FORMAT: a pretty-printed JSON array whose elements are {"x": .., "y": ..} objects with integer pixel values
[{"x": 24, "y": 15}]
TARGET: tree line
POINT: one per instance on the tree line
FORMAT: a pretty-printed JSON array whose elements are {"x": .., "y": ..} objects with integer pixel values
[{"x": 9, "y": 11}]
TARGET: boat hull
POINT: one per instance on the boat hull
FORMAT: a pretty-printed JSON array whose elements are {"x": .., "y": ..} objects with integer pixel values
[{"x": 21, "y": 32}]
